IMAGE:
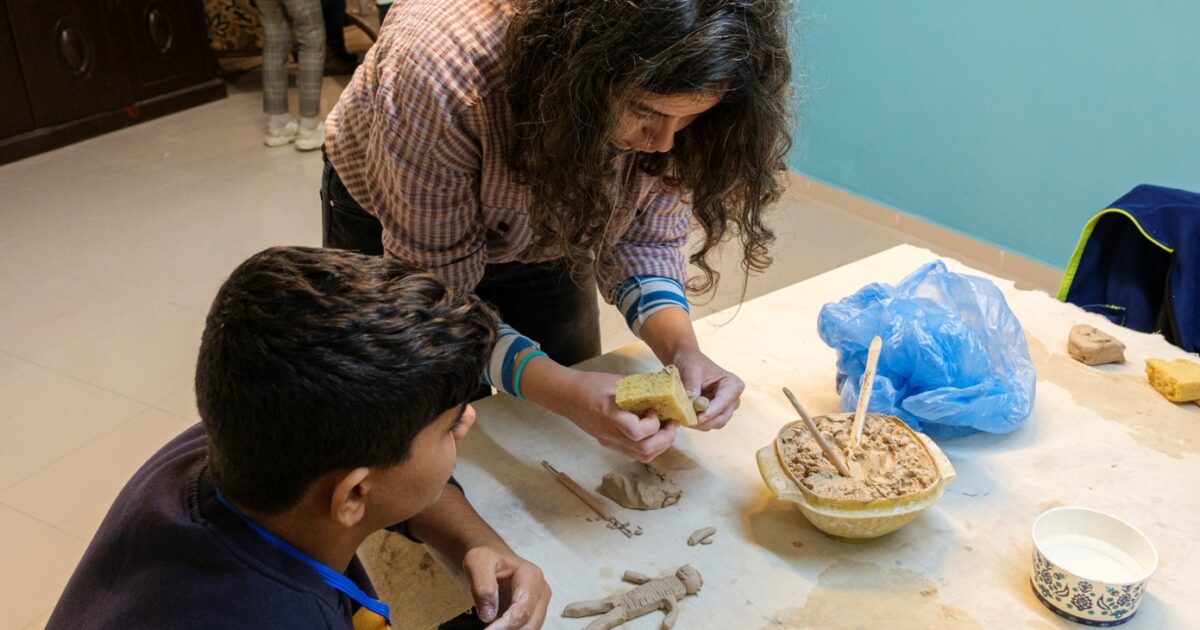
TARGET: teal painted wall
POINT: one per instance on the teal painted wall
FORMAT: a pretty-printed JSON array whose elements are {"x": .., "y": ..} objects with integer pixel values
[{"x": 1010, "y": 121}]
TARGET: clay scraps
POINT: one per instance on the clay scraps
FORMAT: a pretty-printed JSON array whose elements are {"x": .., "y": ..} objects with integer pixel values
[{"x": 702, "y": 536}]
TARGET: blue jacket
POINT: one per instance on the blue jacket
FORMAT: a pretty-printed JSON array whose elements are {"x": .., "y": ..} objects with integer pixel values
[
  {"x": 169, "y": 555},
  {"x": 1138, "y": 263}
]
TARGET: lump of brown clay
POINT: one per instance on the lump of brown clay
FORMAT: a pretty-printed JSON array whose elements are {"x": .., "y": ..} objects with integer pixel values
[
  {"x": 1092, "y": 346},
  {"x": 639, "y": 486}
]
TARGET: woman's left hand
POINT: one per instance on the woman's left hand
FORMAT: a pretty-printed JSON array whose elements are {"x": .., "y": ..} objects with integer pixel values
[{"x": 702, "y": 377}]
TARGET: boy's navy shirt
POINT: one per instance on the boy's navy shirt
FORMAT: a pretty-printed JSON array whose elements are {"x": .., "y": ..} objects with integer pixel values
[{"x": 170, "y": 555}]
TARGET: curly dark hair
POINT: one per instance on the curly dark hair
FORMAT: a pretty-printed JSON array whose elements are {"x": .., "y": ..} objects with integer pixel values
[
  {"x": 318, "y": 359},
  {"x": 573, "y": 65}
]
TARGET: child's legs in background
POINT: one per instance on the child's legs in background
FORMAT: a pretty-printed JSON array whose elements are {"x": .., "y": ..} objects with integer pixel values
[
  {"x": 310, "y": 35},
  {"x": 277, "y": 43}
]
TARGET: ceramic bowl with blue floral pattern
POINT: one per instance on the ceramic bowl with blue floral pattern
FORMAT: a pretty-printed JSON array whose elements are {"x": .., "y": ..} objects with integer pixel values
[{"x": 1090, "y": 567}]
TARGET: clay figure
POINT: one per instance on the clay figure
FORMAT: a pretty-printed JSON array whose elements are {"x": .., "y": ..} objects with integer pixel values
[{"x": 653, "y": 594}]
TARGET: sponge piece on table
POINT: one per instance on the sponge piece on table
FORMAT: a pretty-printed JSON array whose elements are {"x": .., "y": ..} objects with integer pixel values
[
  {"x": 1178, "y": 380},
  {"x": 661, "y": 391}
]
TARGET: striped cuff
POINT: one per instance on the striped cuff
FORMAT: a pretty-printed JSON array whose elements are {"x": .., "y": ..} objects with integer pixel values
[
  {"x": 640, "y": 297},
  {"x": 509, "y": 343}
]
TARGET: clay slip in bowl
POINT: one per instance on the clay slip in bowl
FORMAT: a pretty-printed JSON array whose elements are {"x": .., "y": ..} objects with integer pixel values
[
  {"x": 854, "y": 520},
  {"x": 1090, "y": 567}
]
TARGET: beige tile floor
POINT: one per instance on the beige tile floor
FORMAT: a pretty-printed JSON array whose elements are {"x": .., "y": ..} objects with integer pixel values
[{"x": 110, "y": 251}]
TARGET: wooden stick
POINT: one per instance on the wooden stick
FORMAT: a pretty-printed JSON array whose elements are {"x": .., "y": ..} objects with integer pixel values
[
  {"x": 587, "y": 498},
  {"x": 830, "y": 452},
  {"x": 864, "y": 393}
]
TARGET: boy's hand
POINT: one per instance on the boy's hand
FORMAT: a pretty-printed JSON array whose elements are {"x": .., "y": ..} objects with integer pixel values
[{"x": 510, "y": 592}]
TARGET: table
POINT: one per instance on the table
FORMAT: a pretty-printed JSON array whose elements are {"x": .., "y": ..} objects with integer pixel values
[{"x": 1098, "y": 437}]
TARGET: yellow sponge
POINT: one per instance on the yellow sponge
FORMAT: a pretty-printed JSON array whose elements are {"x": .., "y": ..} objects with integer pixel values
[
  {"x": 1178, "y": 380},
  {"x": 661, "y": 391}
]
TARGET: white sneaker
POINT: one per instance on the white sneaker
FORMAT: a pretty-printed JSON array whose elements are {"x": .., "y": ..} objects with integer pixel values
[
  {"x": 280, "y": 137},
  {"x": 309, "y": 139}
]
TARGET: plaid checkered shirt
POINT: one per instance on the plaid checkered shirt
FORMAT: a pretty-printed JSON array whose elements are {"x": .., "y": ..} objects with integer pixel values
[{"x": 418, "y": 138}]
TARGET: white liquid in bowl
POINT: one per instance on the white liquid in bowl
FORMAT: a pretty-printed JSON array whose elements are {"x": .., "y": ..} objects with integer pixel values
[{"x": 1091, "y": 558}]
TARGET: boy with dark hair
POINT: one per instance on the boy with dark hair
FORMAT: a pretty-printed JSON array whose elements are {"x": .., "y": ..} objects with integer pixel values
[{"x": 332, "y": 388}]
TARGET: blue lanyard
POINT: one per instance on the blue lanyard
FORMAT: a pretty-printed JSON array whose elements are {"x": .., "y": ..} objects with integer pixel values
[{"x": 337, "y": 581}]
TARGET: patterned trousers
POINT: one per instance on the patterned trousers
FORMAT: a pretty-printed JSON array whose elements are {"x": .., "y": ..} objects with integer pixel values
[{"x": 306, "y": 20}]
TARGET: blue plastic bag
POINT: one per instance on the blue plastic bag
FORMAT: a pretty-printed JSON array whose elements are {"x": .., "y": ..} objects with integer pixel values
[{"x": 954, "y": 358}]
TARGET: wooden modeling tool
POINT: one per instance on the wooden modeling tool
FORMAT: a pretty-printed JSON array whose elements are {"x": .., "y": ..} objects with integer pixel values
[
  {"x": 830, "y": 452},
  {"x": 864, "y": 393},
  {"x": 587, "y": 498}
]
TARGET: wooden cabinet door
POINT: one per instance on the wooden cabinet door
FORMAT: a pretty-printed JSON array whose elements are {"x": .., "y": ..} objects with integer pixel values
[
  {"x": 167, "y": 44},
  {"x": 67, "y": 59},
  {"x": 15, "y": 116}
]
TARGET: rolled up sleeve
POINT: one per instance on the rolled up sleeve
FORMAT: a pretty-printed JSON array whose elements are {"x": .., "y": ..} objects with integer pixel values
[{"x": 653, "y": 245}]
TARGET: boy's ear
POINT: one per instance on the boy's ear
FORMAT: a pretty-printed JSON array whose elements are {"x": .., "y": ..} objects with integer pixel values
[{"x": 348, "y": 503}]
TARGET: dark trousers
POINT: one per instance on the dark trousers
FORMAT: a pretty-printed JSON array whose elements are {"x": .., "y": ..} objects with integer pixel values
[
  {"x": 541, "y": 300},
  {"x": 334, "y": 12}
]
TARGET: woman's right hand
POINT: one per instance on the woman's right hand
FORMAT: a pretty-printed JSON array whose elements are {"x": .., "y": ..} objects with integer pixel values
[{"x": 589, "y": 400}]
